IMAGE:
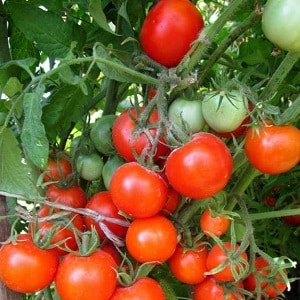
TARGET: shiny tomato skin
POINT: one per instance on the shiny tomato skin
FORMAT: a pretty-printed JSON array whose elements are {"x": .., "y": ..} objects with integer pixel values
[
  {"x": 217, "y": 225},
  {"x": 273, "y": 149},
  {"x": 24, "y": 267},
  {"x": 145, "y": 288},
  {"x": 138, "y": 191},
  {"x": 73, "y": 196},
  {"x": 102, "y": 203},
  {"x": 129, "y": 140},
  {"x": 200, "y": 168},
  {"x": 189, "y": 265},
  {"x": 57, "y": 169},
  {"x": 151, "y": 239},
  {"x": 86, "y": 277},
  {"x": 169, "y": 30},
  {"x": 210, "y": 289},
  {"x": 173, "y": 201},
  {"x": 217, "y": 256}
]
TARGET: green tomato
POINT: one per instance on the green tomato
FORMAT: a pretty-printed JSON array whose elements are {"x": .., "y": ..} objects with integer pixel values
[
  {"x": 188, "y": 112},
  {"x": 281, "y": 23},
  {"x": 110, "y": 167},
  {"x": 101, "y": 134},
  {"x": 89, "y": 166},
  {"x": 224, "y": 111}
]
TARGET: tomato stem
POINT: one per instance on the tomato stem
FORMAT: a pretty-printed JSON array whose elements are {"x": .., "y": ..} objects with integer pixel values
[
  {"x": 275, "y": 214},
  {"x": 47, "y": 293}
]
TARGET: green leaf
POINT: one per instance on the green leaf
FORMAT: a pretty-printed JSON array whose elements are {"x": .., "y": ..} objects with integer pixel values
[
  {"x": 51, "y": 33},
  {"x": 17, "y": 178},
  {"x": 33, "y": 135}
]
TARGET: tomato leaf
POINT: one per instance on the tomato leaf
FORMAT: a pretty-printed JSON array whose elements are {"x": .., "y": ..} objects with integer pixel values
[
  {"x": 17, "y": 177},
  {"x": 51, "y": 34},
  {"x": 33, "y": 135}
]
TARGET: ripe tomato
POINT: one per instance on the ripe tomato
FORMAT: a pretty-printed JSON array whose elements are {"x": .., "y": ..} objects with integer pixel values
[
  {"x": 200, "y": 168},
  {"x": 86, "y": 277},
  {"x": 73, "y": 196},
  {"x": 279, "y": 20},
  {"x": 57, "y": 168},
  {"x": 144, "y": 288},
  {"x": 273, "y": 149},
  {"x": 224, "y": 111},
  {"x": 137, "y": 191},
  {"x": 217, "y": 225},
  {"x": 129, "y": 139},
  {"x": 188, "y": 112},
  {"x": 210, "y": 289},
  {"x": 169, "y": 30},
  {"x": 63, "y": 236},
  {"x": 102, "y": 203},
  {"x": 101, "y": 134},
  {"x": 189, "y": 265},
  {"x": 89, "y": 166},
  {"x": 151, "y": 239},
  {"x": 24, "y": 267},
  {"x": 218, "y": 256},
  {"x": 173, "y": 201},
  {"x": 111, "y": 249}
]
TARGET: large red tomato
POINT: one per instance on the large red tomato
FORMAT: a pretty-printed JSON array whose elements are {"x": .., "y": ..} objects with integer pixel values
[
  {"x": 24, "y": 267},
  {"x": 151, "y": 239},
  {"x": 137, "y": 191},
  {"x": 130, "y": 139},
  {"x": 273, "y": 149},
  {"x": 102, "y": 203},
  {"x": 86, "y": 277},
  {"x": 169, "y": 30},
  {"x": 200, "y": 168},
  {"x": 145, "y": 288}
]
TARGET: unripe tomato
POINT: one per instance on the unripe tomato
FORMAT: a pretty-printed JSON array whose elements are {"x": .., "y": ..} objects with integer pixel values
[{"x": 89, "y": 166}]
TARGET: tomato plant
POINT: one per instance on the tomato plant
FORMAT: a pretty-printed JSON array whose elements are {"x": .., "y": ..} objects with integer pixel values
[
  {"x": 169, "y": 30},
  {"x": 151, "y": 239},
  {"x": 273, "y": 149},
  {"x": 278, "y": 23},
  {"x": 89, "y": 166},
  {"x": 200, "y": 168},
  {"x": 24, "y": 267},
  {"x": 86, "y": 277}
]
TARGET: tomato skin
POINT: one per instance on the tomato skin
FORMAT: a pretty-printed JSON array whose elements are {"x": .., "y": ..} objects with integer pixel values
[
  {"x": 151, "y": 239},
  {"x": 109, "y": 168},
  {"x": 128, "y": 138},
  {"x": 145, "y": 288},
  {"x": 279, "y": 20},
  {"x": 169, "y": 29},
  {"x": 173, "y": 201},
  {"x": 86, "y": 277},
  {"x": 137, "y": 191},
  {"x": 57, "y": 169},
  {"x": 24, "y": 267},
  {"x": 217, "y": 256},
  {"x": 89, "y": 166},
  {"x": 73, "y": 196},
  {"x": 189, "y": 265},
  {"x": 102, "y": 203},
  {"x": 200, "y": 168},
  {"x": 217, "y": 225},
  {"x": 273, "y": 149},
  {"x": 210, "y": 289}
]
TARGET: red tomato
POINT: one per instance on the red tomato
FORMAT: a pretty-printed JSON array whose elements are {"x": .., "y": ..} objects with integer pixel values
[
  {"x": 210, "y": 289},
  {"x": 145, "y": 288},
  {"x": 57, "y": 168},
  {"x": 151, "y": 239},
  {"x": 217, "y": 225},
  {"x": 102, "y": 203},
  {"x": 273, "y": 149},
  {"x": 73, "y": 196},
  {"x": 129, "y": 139},
  {"x": 218, "y": 256},
  {"x": 200, "y": 168},
  {"x": 189, "y": 265},
  {"x": 24, "y": 267},
  {"x": 173, "y": 200},
  {"x": 86, "y": 277},
  {"x": 63, "y": 231},
  {"x": 111, "y": 249},
  {"x": 137, "y": 191},
  {"x": 169, "y": 30}
]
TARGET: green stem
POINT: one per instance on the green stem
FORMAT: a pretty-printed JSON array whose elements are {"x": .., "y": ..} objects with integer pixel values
[
  {"x": 47, "y": 293},
  {"x": 190, "y": 210},
  {"x": 111, "y": 97},
  {"x": 284, "y": 68},
  {"x": 275, "y": 214}
]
